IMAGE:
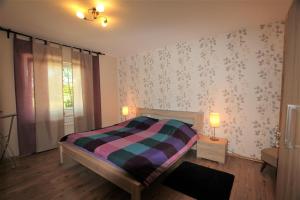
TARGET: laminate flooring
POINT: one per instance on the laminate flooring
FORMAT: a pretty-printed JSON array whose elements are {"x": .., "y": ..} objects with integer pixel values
[{"x": 40, "y": 176}]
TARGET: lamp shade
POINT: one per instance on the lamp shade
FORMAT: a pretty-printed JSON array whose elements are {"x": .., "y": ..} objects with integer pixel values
[
  {"x": 214, "y": 120},
  {"x": 100, "y": 8},
  {"x": 125, "y": 110},
  {"x": 80, "y": 15}
]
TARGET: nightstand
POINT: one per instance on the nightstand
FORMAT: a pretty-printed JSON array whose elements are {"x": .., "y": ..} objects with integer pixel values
[{"x": 212, "y": 150}]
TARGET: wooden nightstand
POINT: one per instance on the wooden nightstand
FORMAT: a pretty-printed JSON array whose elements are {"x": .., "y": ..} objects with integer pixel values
[{"x": 212, "y": 150}]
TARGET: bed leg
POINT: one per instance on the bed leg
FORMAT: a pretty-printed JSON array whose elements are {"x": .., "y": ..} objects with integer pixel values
[
  {"x": 61, "y": 156},
  {"x": 136, "y": 195}
]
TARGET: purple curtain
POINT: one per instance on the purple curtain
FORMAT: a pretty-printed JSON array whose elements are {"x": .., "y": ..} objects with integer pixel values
[
  {"x": 97, "y": 94},
  {"x": 23, "y": 67}
]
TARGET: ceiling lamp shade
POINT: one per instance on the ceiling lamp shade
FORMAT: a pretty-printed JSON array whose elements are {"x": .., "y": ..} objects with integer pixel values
[
  {"x": 104, "y": 21},
  {"x": 100, "y": 8},
  {"x": 80, "y": 15}
]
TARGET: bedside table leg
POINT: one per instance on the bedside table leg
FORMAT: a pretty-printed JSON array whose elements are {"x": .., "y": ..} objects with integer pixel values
[{"x": 263, "y": 167}]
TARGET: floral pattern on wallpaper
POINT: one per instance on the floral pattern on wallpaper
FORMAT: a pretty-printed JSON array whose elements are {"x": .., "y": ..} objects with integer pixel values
[
  {"x": 236, "y": 89},
  {"x": 268, "y": 93},
  {"x": 183, "y": 76},
  {"x": 207, "y": 71},
  {"x": 148, "y": 80},
  {"x": 164, "y": 79},
  {"x": 237, "y": 74}
]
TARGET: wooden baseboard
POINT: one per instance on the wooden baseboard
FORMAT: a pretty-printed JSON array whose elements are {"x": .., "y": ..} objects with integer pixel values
[{"x": 243, "y": 157}]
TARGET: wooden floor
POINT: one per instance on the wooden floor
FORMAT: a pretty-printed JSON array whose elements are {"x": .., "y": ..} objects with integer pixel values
[{"x": 41, "y": 177}]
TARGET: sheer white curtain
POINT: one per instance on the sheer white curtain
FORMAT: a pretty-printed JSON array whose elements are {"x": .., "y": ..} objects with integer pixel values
[
  {"x": 48, "y": 95},
  {"x": 83, "y": 91}
]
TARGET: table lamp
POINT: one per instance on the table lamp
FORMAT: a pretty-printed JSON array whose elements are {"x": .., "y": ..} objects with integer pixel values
[
  {"x": 214, "y": 121},
  {"x": 125, "y": 111}
]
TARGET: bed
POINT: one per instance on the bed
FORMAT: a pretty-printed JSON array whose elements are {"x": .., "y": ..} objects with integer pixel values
[{"x": 114, "y": 173}]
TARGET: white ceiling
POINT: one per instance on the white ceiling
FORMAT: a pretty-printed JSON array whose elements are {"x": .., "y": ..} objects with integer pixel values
[{"x": 136, "y": 25}]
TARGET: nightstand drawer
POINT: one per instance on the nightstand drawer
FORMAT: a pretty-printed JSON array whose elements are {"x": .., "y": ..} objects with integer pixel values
[{"x": 212, "y": 150}]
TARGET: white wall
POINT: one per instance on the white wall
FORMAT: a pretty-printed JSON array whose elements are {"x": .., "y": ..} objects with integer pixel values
[
  {"x": 7, "y": 88},
  {"x": 109, "y": 91},
  {"x": 108, "y": 81}
]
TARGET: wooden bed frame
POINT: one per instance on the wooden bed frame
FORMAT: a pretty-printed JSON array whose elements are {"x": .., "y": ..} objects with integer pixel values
[{"x": 111, "y": 172}]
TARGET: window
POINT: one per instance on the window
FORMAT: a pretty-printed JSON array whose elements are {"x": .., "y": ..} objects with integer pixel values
[{"x": 68, "y": 96}]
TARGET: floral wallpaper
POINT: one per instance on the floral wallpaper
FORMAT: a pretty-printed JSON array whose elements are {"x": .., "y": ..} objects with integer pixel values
[{"x": 237, "y": 74}]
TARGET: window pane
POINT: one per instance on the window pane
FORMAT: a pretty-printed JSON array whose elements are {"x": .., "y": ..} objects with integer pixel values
[{"x": 68, "y": 97}]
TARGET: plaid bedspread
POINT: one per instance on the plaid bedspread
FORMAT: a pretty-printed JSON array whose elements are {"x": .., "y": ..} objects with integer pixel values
[{"x": 144, "y": 147}]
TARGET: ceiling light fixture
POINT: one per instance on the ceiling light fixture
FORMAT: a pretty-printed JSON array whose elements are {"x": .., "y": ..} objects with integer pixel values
[
  {"x": 100, "y": 8},
  {"x": 94, "y": 14},
  {"x": 80, "y": 15},
  {"x": 104, "y": 21}
]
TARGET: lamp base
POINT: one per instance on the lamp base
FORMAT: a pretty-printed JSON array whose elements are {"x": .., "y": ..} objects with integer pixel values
[{"x": 213, "y": 138}]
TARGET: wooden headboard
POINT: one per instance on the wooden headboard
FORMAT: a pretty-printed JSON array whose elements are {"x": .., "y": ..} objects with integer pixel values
[{"x": 195, "y": 118}]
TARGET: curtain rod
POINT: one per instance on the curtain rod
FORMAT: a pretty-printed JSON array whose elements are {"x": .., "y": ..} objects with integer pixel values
[{"x": 8, "y": 31}]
